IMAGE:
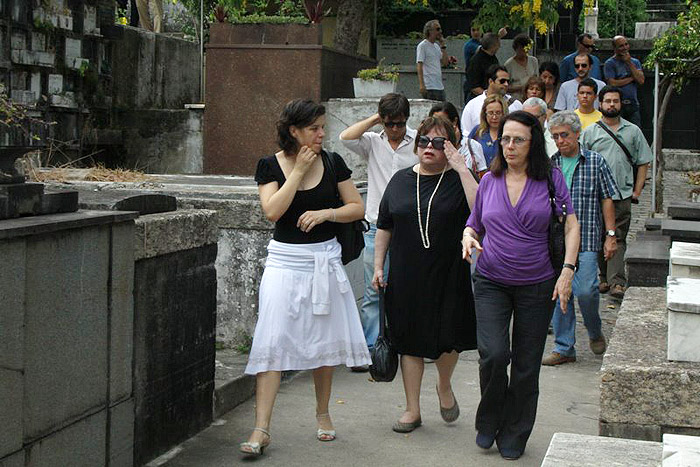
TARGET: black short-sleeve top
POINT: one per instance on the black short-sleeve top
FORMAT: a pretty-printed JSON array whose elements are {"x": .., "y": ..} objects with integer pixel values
[{"x": 322, "y": 196}]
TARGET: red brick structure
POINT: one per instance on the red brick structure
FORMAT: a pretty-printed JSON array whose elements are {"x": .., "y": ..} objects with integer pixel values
[{"x": 252, "y": 71}]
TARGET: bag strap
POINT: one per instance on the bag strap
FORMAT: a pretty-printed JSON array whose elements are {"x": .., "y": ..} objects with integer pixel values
[
  {"x": 382, "y": 316},
  {"x": 331, "y": 165},
  {"x": 617, "y": 140},
  {"x": 553, "y": 196}
]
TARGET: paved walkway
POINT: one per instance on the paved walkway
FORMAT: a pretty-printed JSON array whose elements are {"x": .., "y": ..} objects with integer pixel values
[{"x": 363, "y": 413}]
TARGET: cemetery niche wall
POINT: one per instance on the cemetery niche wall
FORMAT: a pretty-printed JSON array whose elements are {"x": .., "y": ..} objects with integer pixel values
[{"x": 67, "y": 62}]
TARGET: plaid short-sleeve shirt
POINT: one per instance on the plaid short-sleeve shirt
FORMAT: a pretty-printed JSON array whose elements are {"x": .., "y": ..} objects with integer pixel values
[{"x": 592, "y": 182}]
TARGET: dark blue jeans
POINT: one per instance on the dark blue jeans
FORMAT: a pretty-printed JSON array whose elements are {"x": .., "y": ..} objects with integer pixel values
[{"x": 507, "y": 409}]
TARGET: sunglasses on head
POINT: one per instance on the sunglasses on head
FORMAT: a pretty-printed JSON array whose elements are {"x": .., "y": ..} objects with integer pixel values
[
  {"x": 581, "y": 65},
  {"x": 395, "y": 124},
  {"x": 438, "y": 142}
]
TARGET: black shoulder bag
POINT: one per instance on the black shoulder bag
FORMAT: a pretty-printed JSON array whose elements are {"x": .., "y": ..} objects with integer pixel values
[
  {"x": 385, "y": 360},
  {"x": 627, "y": 153},
  {"x": 349, "y": 234},
  {"x": 557, "y": 247}
]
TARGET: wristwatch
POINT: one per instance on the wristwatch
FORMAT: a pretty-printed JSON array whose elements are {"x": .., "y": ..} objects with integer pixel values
[{"x": 610, "y": 233}]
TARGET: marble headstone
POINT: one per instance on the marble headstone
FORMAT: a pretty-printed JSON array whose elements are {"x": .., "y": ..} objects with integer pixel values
[
  {"x": 685, "y": 260},
  {"x": 683, "y": 303}
]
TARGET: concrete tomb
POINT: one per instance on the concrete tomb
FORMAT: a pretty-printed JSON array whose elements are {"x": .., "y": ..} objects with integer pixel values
[
  {"x": 683, "y": 303},
  {"x": 685, "y": 260}
]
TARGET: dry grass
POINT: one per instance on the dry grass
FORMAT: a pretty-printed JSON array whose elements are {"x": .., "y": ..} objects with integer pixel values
[
  {"x": 94, "y": 174},
  {"x": 694, "y": 178}
]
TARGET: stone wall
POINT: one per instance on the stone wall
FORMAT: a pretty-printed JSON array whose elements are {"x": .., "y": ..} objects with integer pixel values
[
  {"x": 70, "y": 64},
  {"x": 174, "y": 328},
  {"x": 66, "y": 340},
  {"x": 642, "y": 394}
]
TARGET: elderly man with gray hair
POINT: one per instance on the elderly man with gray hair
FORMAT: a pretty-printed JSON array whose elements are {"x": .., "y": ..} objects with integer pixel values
[
  {"x": 431, "y": 56},
  {"x": 592, "y": 187},
  {"x": 538, "y": 108}
]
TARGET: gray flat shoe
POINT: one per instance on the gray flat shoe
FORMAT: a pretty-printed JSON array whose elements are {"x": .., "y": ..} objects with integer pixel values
[
  {"x": 402, "y": 427},
  {"x": 451, "y": 414}
]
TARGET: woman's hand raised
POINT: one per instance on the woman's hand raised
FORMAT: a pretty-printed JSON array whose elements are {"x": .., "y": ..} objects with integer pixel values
[
  {"x": 454, "y": 158},
  {"x": 305, "y": 158}
]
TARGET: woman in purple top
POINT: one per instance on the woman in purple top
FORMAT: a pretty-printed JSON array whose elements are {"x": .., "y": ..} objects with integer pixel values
[{"x": 514, "y": 277}]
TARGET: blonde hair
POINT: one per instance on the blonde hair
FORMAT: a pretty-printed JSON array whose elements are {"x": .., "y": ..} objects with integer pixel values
[{"x": 483, "y": 123}]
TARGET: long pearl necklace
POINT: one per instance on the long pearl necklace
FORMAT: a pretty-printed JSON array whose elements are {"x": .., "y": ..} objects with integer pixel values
[{"x": 424, "y": 234}]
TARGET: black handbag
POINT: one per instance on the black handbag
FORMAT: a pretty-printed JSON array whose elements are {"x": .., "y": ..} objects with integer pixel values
[
  {"x": 557, "y": 248},
  {"x": 385, "y": 360},
  {"x": 349, "y": 234}
]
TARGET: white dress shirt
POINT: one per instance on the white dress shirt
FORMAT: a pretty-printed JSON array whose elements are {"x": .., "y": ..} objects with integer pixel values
[
  {"x": 382, "y": 163},
  {"x": 472, "y": 111}
]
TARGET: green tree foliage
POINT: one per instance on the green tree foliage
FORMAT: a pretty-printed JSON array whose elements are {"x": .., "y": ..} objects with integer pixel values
[{"x": 678, "y": 50}]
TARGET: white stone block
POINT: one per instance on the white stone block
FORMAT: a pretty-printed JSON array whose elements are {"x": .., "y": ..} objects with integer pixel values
[
  {"x": 35, "y": 84},
  {"x": 678, "y": 443},
  {"x": 23, "y": 97},
  {"x": 65, "y": 22},
  {"x": 683, "y": 303},
  {"x": 74, "y": 49},
  {"x": 685, "y": 260},
  {"x": 90, "y": 20},
  {"x": 79, "y": 63},
  {"x": 39, "y": 41},
  {"x": 55, "y": 84},
  {"x": 67, "y": 100},
  {"x": 682, "y": 459},
  {"x": 18, "y": 41}
]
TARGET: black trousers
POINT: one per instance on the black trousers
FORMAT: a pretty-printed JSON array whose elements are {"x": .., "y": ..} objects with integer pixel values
[{"x": 507, "y": 409}]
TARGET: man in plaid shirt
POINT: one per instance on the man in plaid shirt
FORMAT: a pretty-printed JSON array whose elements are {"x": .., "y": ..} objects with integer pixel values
[{"x": 592, "y": 187}]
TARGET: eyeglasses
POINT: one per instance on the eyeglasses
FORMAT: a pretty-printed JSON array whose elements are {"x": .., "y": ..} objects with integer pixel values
[
  {"x": 562, "y": 135},
  {"x": 581, "y": 65},
  {"x": 504, "y": 81},
  {"x": 518, "y": 141},
  {"x": 438, "y": 142},
  {"x": 394, "y": 124},
  {"x": 494, "y": 114}
]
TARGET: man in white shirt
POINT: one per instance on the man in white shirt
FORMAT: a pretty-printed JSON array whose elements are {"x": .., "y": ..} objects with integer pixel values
[
  {"x": 431, "y": 56},
  {"x": 386, "y": 152},
  {"x": 567, "y": 99},
  {"x": 499, "y": 79}
]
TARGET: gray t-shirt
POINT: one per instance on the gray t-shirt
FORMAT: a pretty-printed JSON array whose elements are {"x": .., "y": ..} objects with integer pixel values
[{"x": 429, "y": 54}]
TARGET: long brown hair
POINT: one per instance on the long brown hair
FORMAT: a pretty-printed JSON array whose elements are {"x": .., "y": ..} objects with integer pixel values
[{"x": 483, "y": 123}]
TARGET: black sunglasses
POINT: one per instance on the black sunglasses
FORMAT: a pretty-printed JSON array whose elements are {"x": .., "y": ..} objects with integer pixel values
[
  {"x": 438, "y": 142},
  {"x": 395, "y": 124},
  {"x": 581, "y": 65},
  {"x": 504, "y": 81}
]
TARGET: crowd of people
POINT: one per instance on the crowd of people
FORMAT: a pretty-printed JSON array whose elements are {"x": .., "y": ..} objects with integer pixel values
[{"x": 459, "y": 214}]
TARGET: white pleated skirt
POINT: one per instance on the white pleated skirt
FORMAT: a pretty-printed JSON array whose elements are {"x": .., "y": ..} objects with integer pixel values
[{"x": 307, "y": 316}]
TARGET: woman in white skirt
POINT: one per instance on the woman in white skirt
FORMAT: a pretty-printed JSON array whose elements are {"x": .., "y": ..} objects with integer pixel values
[{"x": 307, "y": 318}]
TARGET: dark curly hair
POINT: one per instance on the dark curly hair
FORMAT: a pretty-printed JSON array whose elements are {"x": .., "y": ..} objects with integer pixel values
[
  {"x": 299, "y": 113},
  {"x": 538, "y": 165}
]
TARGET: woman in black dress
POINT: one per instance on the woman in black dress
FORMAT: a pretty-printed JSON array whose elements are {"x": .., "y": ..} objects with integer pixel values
[{"x": 429, "y": 302}]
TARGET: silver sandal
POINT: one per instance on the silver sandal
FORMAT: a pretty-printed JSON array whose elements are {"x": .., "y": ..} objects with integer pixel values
[{"x": 255, "y": 449}]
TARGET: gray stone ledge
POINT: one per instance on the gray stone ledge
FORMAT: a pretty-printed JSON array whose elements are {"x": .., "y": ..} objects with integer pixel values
[
  {"x": 568, "y": 449},
  {"x": 639, "y": 385},
  {"x": 163, "y": 233},
  {"x": 37, "y": 225}
]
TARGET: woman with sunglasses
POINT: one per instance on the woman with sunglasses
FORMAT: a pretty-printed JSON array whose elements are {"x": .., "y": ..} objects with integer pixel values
[
  {"x": 514, "y": 278},
  {"x": 429, "y": 304},
  {"x": 307, "y": 319},
  {"x": 492, "y": 112},
  {"x": 470, "y": 149}
]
